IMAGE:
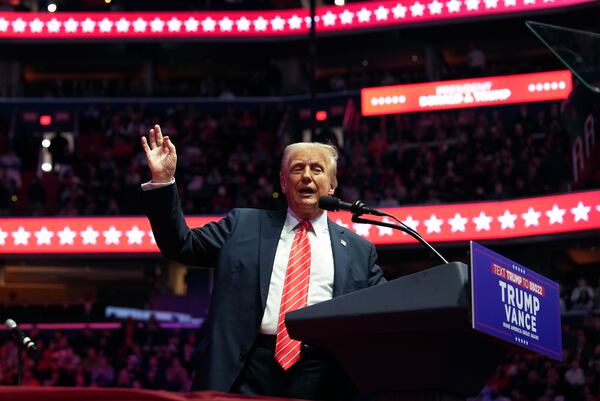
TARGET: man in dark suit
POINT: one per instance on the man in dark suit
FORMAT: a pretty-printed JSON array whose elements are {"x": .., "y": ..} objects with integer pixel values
[{"x": 267, "y": 263}]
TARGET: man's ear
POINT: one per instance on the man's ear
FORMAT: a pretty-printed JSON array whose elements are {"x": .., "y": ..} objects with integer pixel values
[{"x": 331, "y": 190}]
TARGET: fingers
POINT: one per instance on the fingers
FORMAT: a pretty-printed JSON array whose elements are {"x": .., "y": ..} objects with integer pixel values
[
  {"x": 152, "y": 137},
  {"x": 159, "y": 136},
  {"x": 145, "y": 145},
  {"x": 156, "y": 138},
  {"x": 168, "y": 145}
]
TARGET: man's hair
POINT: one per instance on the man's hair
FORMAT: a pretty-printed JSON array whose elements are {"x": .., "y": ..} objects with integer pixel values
[{"x": 331, "y": 157}]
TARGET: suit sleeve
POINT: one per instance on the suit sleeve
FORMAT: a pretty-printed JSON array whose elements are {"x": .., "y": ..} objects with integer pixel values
[
  {"x": 375, "y": 273},
  {"x": 176, "y": 241}
]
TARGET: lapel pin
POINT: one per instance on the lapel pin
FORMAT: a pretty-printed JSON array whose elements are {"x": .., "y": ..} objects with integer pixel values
[{"x": 343, "y": 242}]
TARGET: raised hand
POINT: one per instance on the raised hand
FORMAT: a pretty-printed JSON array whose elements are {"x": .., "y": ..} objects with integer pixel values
[{"x": 161, "y": 155}]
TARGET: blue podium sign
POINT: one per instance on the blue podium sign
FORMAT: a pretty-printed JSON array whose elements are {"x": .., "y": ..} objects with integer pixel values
[{"x": 515, "y": 304}]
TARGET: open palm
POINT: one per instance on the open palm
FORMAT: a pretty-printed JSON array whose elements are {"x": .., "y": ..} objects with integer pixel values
[{"x": 161, "y": 155}]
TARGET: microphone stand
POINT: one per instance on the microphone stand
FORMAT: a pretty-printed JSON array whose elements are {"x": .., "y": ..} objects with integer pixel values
[
  {"x": 20, "y": 347},
  {"x": 357, "y": 219},
  {"x": 23, "y": 343}
]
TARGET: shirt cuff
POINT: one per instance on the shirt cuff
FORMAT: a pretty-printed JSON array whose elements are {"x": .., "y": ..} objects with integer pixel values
[{"x": 149, "y": 186}]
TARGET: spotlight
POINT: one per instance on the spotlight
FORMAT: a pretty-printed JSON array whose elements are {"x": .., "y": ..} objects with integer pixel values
[
  {"x": 46, "y": 143},
  {"x": 321, "y": 115},
  {"x": 339, "y": 2},
  {"x": 51, "y": 7},
  {"x": 46, "y": 167},
  {"x": 45, "y": 120}
]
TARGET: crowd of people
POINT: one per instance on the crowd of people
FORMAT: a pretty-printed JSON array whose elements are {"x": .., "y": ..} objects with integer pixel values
[
  {"x": 142, "y": 355},
  {"x": 530, "y": 377},
  {"x": 139, "y": 355},
  {"x": 231, "y": 159}
]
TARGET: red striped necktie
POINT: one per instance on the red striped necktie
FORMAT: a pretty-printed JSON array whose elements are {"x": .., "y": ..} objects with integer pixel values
[{"x": 295, "y": 295}]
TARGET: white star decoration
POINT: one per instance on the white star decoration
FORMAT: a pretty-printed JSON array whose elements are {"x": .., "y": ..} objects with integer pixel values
[
  {"x": 67, "y": 236},
  {"x": 435, "y": 7},
  {"x": 417, "y": 9},
  {"x": 122, "y": 25},
  {"x": 71, "y": 25},
  {"x": 135, "y": 235},
  {"x": 361, "y": 229},
  {"x": 346, "y": 17},
  {"x": 399, "y": 11},
  {"x": 208, "y": 24},
  {"x": 111, "y": 236},
  {"x": 53, "y": 25},
  {"x": 36, "y": 25},
  {"x": 88, "y": 25},
  {"x": 44, "y": 237},
  {"x": 364, "y": 15},
  {"x": 531, "y": 217},
  {"x": 191, "y": 24},
  {"x": 21, "y": 237},
  {"x": 385, "y": 230},
  {"x": 243, "y": 24},
  {"x": 457, "y": 223},
  {"x": 19, "y": 25},
  {"x": 580, "y": 212},
  {"x": 278, "y": 23},
  {"x": 260, "y": 24},
  {"x": 491, "y": 3},
  {"x": 555, "y": 215},
  {"x": 151, "y": 235},
  {"x": 105, "y": 25},
  {"x": 472, "y": 4},
  {"x": 3, "y": 235},
  {"x": 433, "y": 224},
  {"x": 409, "y": 221},
  {"x": 139, "y": 25},
  {"x": 329, "y": 19},
  {"x": 482, "y": 222},
  {"x": 507, "y": 220},
  {"x": 3, "y": 24},
  {"x": 453, "y": 6},
  {"x": 381, "y": 14},
  {"x": 226, "y": 24},
  {"x": 295, "y": 22},
  {"x": 157, "y": 25},
  {"x": 174, "y": 25},
  {"x": 89, "y": 236}
]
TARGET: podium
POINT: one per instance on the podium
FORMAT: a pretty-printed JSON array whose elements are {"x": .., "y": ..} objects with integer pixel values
[{"x": 407, "y": 339}]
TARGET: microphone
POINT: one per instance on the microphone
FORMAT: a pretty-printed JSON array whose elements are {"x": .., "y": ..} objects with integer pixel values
[
  {"x": 23, "y": 339},
  {"x": 357, "y": 208},
  {"x": 333, "y": 204}
]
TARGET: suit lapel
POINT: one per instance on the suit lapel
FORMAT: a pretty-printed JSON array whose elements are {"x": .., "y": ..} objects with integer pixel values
[
  {"x": 270, "y": 230},
  {"x": 339, "y": 247}
]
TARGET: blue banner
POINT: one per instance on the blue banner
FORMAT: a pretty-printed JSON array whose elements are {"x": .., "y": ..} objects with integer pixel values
[{"x": 515, "y": 304}]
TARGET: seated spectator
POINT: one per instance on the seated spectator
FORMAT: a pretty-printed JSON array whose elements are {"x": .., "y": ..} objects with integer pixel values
[{"x": 582, "y": 296}]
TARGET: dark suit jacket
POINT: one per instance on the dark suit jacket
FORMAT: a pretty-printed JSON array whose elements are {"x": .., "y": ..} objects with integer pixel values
[{"x": 242, "y": 248}]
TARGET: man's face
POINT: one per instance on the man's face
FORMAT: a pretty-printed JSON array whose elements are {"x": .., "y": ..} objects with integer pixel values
[{"x": 306, "y": 179}]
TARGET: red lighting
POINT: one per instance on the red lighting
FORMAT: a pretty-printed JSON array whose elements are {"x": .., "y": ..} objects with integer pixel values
[
  {"x": 45, "y": 120},
  {"x": 482, "y": 221},
  {"x": 475, "y": 92},
  {"x": 258, "y": 23},
  {"x": 321, "y": 115}
]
